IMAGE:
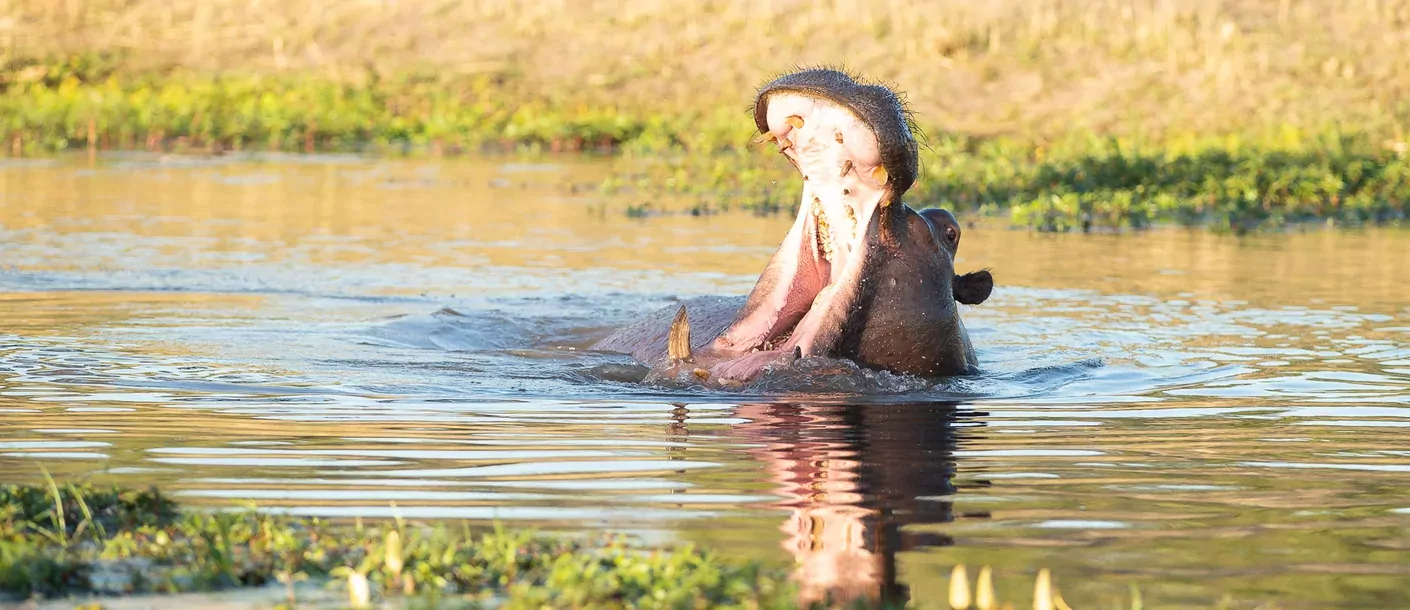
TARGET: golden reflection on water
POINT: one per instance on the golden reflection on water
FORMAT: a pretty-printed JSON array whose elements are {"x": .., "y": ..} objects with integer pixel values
[
  {"x": 432, "y": 213},
  {"x": 468, "y": 214},
  {"x": 207, "y": 325}
]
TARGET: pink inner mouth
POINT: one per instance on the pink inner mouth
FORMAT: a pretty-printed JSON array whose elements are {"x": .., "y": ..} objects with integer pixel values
[{"x": 820, "y": 260}]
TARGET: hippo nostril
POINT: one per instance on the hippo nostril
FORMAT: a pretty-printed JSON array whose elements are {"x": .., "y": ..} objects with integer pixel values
[{"x": 846, "y": 191}]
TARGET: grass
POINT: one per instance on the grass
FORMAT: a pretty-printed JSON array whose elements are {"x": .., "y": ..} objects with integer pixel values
[
  {"x": 55, "y": 540},
  {"x": 1054, "y": 114},
  {"x": 1046, "y": 67}
]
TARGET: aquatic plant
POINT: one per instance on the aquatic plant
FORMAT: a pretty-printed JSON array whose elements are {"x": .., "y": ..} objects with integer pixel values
[{"x": 73, "y": 539}]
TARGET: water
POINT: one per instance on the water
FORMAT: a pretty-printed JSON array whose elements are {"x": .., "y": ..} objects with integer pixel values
[{"x": 1207, "y": 417}]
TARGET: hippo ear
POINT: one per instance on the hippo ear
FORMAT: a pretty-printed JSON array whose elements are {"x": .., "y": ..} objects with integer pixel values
[{"x": 973, "y": 288}]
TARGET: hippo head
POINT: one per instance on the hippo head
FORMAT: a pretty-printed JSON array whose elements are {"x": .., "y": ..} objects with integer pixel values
[{"x": 859, "y": 275}]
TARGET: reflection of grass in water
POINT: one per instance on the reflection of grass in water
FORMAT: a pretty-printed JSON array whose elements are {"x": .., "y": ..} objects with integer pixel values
[{"x": 57, "y": 540}]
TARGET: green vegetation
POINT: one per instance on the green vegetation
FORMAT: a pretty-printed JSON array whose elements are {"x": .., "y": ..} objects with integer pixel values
[
  {"x": 1056, "y": 114},
  {"x": 56, "y": 541},
  {"x": 1088, "y": 184}
]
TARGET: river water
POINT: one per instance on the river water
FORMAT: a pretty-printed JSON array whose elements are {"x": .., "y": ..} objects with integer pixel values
[{"x": 1214, "y": 419}]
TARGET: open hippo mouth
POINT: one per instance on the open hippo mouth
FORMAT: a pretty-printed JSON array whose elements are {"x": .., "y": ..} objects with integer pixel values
[
  {"x": 853, "y": 146},
  {"x": 859, "y": 275}
]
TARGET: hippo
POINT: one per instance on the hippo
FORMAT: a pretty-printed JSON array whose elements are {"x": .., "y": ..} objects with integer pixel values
[{"x": 860, "y": 275}]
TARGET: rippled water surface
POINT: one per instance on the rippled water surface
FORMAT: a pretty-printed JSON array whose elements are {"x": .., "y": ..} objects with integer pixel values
[{"x": 1207, "y": 417}]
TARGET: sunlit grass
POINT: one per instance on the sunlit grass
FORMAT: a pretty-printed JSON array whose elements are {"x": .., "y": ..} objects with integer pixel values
[{"x": 1123, "y": 67}]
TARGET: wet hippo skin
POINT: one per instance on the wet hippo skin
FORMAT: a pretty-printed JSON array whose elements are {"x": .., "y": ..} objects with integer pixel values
[{"x": 860, "y": 275}]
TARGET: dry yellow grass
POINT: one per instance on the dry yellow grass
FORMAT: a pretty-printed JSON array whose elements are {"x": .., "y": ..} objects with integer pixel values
[{"x": 1130, "y": 67}]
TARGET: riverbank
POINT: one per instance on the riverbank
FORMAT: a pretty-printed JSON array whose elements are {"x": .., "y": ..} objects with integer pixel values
[{"x": 701, "y": 162}]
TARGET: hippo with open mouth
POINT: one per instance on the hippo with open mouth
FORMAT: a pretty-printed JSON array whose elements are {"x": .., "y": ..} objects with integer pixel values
[{"x": 860, "y": 275}]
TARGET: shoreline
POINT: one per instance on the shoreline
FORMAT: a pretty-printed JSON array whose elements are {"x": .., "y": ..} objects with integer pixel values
[
  {"x": 1076, "y": 181},
  {"x": 1174, "y": 195}
]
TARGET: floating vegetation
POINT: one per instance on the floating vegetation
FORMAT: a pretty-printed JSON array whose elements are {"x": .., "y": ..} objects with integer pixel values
[{"x": 83, "y": 539}]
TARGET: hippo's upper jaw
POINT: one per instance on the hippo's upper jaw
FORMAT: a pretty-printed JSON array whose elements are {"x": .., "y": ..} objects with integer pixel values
[{"x": 871, "y": 114}]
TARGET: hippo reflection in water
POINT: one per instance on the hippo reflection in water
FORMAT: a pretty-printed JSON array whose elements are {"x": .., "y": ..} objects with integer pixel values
[{"x": 859, "y": 276}]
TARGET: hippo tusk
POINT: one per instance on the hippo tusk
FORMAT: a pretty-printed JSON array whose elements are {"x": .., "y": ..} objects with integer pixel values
[{"x": 678, "y": 341}]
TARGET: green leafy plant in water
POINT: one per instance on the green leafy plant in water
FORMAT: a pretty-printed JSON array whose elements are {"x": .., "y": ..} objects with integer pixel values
[{"x": 162, "y": 550}]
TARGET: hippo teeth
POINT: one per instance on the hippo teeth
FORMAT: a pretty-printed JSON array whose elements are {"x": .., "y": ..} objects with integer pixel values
[
  {"x": 844, "y": 180},
  {"x": 678, "y": 341},
  {"x": 824, "y": 234}
]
